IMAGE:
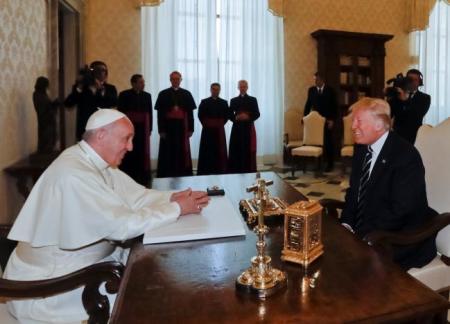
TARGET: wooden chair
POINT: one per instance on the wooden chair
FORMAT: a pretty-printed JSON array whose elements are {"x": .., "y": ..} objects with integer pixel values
[
  {"x": 293, "y": 133},
  {"x": 434, "y": 149},
  {"x": 313, "y": 127},
  {"x": 347, "y": 143},
  {"x": 96, "y": 305}
]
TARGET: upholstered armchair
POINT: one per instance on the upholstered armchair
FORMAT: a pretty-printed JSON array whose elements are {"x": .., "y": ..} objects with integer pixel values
[
  {"x": 91, "y": 277},
  {"x": 293, "y": 132},
  {"x": 347, "y": 142},
  {"x": 434, "y": 148},
  {"x": 312, "y": 147}
]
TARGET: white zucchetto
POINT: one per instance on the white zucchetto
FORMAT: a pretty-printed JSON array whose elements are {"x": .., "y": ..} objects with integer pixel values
[{"x": 103, "y": 117}]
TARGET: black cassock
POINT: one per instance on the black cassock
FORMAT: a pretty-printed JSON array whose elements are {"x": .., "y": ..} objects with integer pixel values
[
  {"x": 242, "y": 153},
  {"x": 88, "y": 101},
  {"x": 138, "y": 108},
  {"x": 213, "y": 114},
  {"x": 176, "y": 121}
]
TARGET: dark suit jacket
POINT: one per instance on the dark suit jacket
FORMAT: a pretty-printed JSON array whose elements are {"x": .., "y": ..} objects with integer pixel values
[
  {"x": 408, "y": 115},
  {"x": 325, "y": 104},
  {"x": 87, "y": 103},
  {"x": 395, "y": 198}
]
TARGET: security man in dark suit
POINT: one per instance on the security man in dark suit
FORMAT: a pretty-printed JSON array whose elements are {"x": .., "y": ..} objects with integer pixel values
[
  {"x": 322, "y": 98},
  {"x": 90, "y": 92},
  {"x": 410, "y": 107},
  {"x": 387, "y": 184}
]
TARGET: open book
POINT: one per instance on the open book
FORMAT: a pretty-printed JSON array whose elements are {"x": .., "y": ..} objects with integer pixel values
[{"x": 219, "y": 219}]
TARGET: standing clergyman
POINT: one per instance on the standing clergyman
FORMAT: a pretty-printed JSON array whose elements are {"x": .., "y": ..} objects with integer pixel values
[
  {"x": 242, "y": 153},
  {"x": 175, "y": 107},
  {"x": 213, "y": 113}
]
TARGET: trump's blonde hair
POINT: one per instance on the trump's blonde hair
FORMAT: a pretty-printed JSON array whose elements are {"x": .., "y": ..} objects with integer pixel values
[{"x": 379, "y": 109}]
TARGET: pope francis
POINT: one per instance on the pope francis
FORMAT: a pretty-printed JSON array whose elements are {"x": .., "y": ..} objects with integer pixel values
[{"x": 79, "y": 206}]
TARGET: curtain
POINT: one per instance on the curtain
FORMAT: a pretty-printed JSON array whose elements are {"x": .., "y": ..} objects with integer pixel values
[
  {"x": 418, "y": 13},
  {"x": 251, "y": 48},
  {"x": 433, "y": 50},
  {"x": 218, "y": 41}
]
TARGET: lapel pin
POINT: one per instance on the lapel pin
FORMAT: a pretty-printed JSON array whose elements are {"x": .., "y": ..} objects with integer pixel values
[{"x": 383, "y": 161}]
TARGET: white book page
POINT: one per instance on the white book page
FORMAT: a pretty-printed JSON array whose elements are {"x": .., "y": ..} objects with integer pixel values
[{"x": 219, "y": 219}]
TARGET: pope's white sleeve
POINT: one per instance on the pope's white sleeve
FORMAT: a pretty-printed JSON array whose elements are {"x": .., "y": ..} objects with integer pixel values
[
  {"x": 98, "y": 212},
  {"x": 146, "y": 219}
]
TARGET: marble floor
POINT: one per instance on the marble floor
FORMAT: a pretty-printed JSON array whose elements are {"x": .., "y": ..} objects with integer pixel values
[{"x": 328, "y": 185}]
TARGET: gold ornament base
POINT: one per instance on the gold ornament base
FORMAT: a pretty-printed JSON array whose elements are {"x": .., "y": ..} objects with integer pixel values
[
  {"x": 261, "y": 279},
  {"x": 302, "y": 258},
  {"x": 274, "y": 210}
]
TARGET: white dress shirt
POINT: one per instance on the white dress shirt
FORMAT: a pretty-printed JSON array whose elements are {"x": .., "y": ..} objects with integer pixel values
[{"x": 376, "y": 149}]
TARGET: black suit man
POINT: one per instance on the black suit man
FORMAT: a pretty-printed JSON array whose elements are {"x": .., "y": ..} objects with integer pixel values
[
  {"x": 410, "y": 107},
  {"x": 90, "y": 93},
  {"x": 387, "y": 183},
  {"x": 322, "y": 98}
]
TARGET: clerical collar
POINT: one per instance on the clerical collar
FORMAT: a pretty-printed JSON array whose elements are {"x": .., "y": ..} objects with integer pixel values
[
  {"x": 93, "y": 156},
  {"x": 242, "y": 95},
  {"x": 175, "y": 89}
]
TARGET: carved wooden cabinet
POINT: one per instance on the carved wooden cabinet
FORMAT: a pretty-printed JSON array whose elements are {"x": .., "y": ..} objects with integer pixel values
[{"x": 352, "y": 63}]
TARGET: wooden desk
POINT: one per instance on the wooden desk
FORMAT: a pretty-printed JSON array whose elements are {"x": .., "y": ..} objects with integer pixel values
[{"x": 194, "y": 282}]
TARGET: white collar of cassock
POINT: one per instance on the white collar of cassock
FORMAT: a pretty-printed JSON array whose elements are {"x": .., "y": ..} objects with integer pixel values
[{"x": 93, "y": 156}]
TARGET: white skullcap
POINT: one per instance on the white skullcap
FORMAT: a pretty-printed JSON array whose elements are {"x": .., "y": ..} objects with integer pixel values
[{"x": 103, "y": 117}]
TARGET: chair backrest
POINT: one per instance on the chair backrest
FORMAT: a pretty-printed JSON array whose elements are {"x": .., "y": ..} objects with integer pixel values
[
  {"x": 348, "y": 134},
  {"x": 292, "y": 124},
  {"x": 313, "y": 126},
  {"x": 434, "y": 147}
]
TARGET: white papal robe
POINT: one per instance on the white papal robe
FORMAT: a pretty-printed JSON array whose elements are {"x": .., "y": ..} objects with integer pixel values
[{"x": 75, "y": 209}]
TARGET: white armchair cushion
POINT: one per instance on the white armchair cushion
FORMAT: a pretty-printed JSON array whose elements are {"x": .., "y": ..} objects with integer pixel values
[
  {"x": 313, "y": 126},
  {"x": 435, "y": 274},
  {"x": 347, "y": 150},
  {"x": 443, "y": 241},
  {"x": 293, "y": 144},
  {"x": 434, "y": 148},
  {"x": 307, "y": 150}
]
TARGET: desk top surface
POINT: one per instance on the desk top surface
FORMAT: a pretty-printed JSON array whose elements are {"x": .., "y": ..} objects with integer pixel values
[{"x": 195, "y": 281}]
